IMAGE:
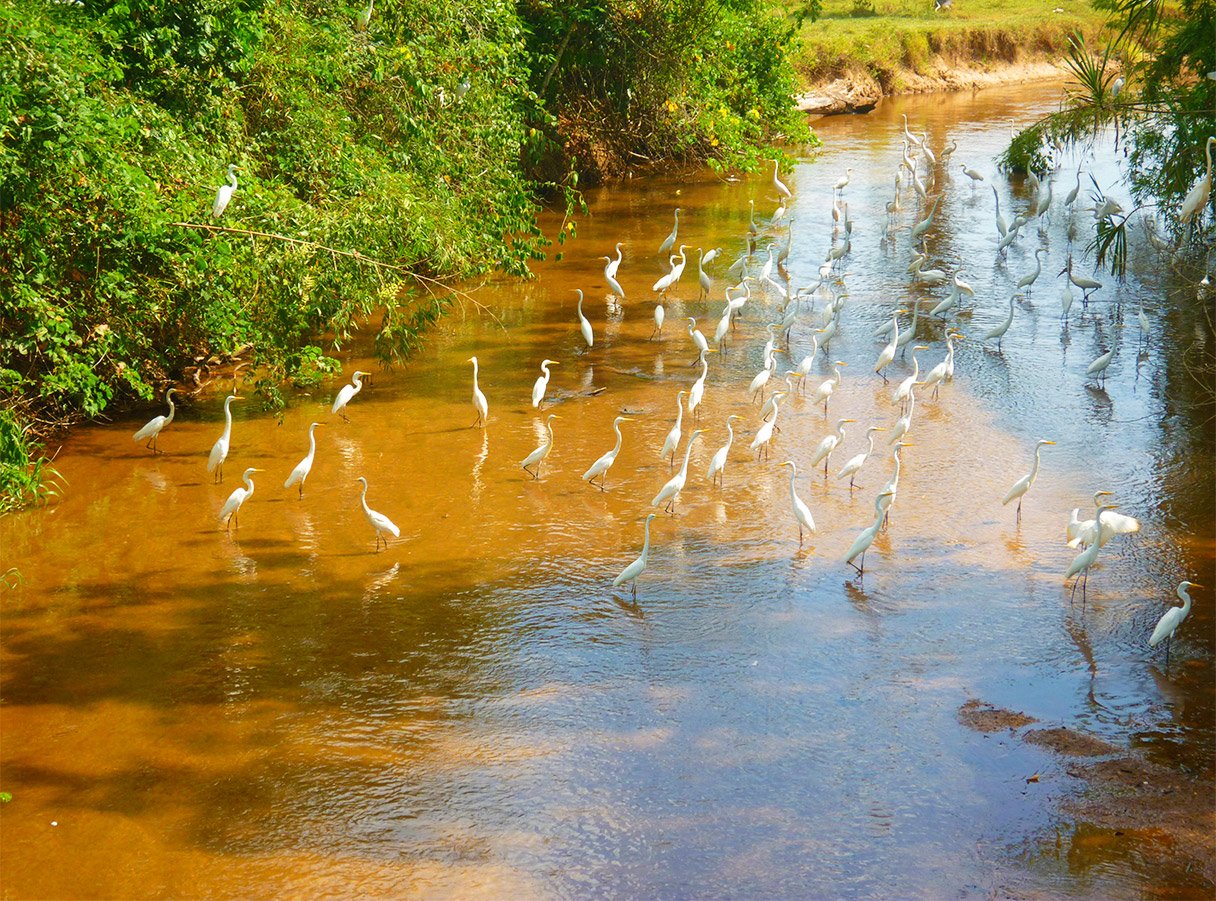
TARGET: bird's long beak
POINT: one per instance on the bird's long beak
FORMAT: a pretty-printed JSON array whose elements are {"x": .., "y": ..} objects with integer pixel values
[{"x": 1049, "y": 442}]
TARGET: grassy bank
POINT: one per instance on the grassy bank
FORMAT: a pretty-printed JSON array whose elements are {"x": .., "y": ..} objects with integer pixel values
[{"x": 893, "y": 40}]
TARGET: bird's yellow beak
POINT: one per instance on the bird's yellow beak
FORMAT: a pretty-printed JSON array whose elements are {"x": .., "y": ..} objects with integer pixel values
[
  {"x": 1049, "y": 442},
  {"x": 1197, "y": 585},
  {"x": 879, "y": 428},
  {"x": 848, "y": 420},
  {"x": 238, "y": 397}
]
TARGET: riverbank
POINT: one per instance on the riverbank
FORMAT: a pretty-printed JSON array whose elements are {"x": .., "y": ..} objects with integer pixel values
[{"x": 856, "y": 53}]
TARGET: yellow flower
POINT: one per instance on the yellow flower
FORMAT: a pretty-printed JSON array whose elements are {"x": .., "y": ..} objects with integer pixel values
[{"x": 671, "y": 106}]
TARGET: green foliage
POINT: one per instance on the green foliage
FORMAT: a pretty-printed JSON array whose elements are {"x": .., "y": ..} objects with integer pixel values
[
  {"x": 23, "y": 480},
  {"x": 654, "y": 81}
]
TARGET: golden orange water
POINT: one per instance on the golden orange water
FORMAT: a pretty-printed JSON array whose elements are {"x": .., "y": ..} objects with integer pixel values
[{"x": 476, "y": 711}]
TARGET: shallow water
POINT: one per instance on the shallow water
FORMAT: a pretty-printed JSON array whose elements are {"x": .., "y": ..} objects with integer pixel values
[{"x": 475, "y": 711}]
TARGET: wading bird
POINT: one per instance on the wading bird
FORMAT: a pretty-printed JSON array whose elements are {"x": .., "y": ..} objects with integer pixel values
[
  {"x": 672, "y": 441},
  {"x": 152, "y": 430},
  {"x": 601, "y": 466},
  {"x": 1084, "y": 560},
  {"x": 541, "y": 385},
  {"x": 347, "y": 394},
  {"x": 538, "y": 455},
  {"x": 855, "y": 463},
  {"x": 671, "y": 491},
  {"x": 827, "y": 446},
  {"x": 778, "y": 184},
  {"x": 219, "y": 451},
  {"x": 670, "y": 242},
  {"x": 802, "y": 513},
  {"x": 1173, "y": 618},
  {"x": 1022, "y": 485},
  {"x": 232, "y": 506},
  {"x": 863, "y": 541},
  {"x": 717, "y": 465},
  {"x": 224, "y": 194},
  {"x": 631, "y": 572},
  {"x": 479, "y": 400},
  {"x": 610, "y": 274},
  {"x": 304, "y": 467},
  {"x": 827, "y": 387},
  {"x": 382, "y": 525},
  {"x": 1197, "y": 199},
  {"x": 583, "y": 325}
]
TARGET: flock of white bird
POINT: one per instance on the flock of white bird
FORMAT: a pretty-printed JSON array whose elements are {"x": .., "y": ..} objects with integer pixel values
[{"x": 757, "y": 282}]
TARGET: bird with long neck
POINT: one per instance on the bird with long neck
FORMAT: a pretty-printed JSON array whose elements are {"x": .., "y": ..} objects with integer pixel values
[
  {"x": 601, "y": 466},
  {"x": 631, "y": 572},
  {"x": 671, "y": 491},
  {"x": 1173, "y": 618},
  {"x": 151, "y": 431},
  {"x": 219, "y": 451},
  {"x": 304, "y": 467},
  {"x": 1022, "y": 485},
  {"x": 479, "y": 399},
  {"x": 802, "y": 513}
]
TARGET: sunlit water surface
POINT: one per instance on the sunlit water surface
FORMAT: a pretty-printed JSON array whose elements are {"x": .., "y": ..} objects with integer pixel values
[{"x": 475, "y": 711}]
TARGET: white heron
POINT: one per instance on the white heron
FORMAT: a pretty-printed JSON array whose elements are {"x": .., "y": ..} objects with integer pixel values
[
  {"x": 756, "y": 388},
  {"x": 900, "y": 395},
  {"x": 971, "y": 174},
  {"x": 232, "y": 507},
  {"x": 1085, "y": 532},
  {"x": 347, "y": 393},
  {"x": 1027, "y": 280},
  {"x": 717, "y": 465},
  {"x": 919, "y": 229},
  {"x": 805, "y": 364},
  {"x": 908, "y": 136},
  {"x": 671, "y": 491},
  {"x": 698, "y": 339},
  {"x": 697, "y": 392},
  {"x": 1066, "y": 300},
  {"x": 802, "y": 513},
  {"x": 778, "y": 184},
  {"x": 614, "y": 264},
  {"x": 304, "y": 467},
  {"x": 1001, "y": 225},
  {"x": 673, "y": 437},
  {"x": 941, "y": 372},
  {"x": 863, "y": 541},
  {"x": 658, "y": 322},
  {"x": 538, "y": 455},
  {"x": 541, "y": 385},
  {"x": 855, "y": 463},
  {"x": 1021, "y": 486},
  {"x": 670, "y": 241},
  {"x": 219, "y": 451},
  {"x": 1097, "y": 369},
  {"x": 1086, "y": 559},
  {"x": 601, "y": 466},
  {"x": 631, "y": 572},
  {"x": 827, "y": 387},
  {"x": 1083, "y": 282},
  {"x": 999, "y": 331},
  {"x": 1173, "y": 618},
  {"x": 823, "y": 453},
  {"x": 904, "y": 423},
  {"x": 583, "y": 325},
  {"x": 152, "y": 430},
  {"x": 702, "y": 277},
  {"x": 1197, "y": 199},
  {"x": 843, "y": 181},
  {"x": 224, "y": 193},
  {"x": 887, "y": 354},
  {"x": 479, "y": 399},
  {"x": 764, "y": 435},
  {"x": 610, "y": 275},
  {"x": 381, "y": 524},
  {"x": 1072, "y": 195}
]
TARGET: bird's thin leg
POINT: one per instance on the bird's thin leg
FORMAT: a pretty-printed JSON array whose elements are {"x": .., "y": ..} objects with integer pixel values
[
  {"x": 825, "y": 467},
  {"x": 862, "y": 570},
  {"x": 800, "y": 535},
  {"x": 884, "y": 377},
  {"x": 1168, "y": 642},
  {"x": 851, "y": 486},
  {"x": 635, "y": 589},
  {"x": 1019, "y": 516},
  {"x": 301, "y": 489},
  {"x": 1073, "y": 594},
  {"x": 345, "y": 418},
  {"x": 529, "y": 472}
]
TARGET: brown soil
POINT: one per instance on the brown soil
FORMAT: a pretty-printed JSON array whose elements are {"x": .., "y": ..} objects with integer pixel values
[
  {"x": 981, "y": 717},
  {"x": 859, "y": 91},
  {"x": 1171, "y": 815}
]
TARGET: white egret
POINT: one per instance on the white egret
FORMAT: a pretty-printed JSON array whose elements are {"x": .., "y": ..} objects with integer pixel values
[
  {"x": 855, "y": 463},
  {"x": 905, "y": 387},
  {"x": 827, "y": 446},
  {"x": 1142, "y": 321},
  {"x": 863, "y": 541},
  {"x": 152, "y": 430},
  {"x": 886, "y": 497},
  {"x": 704, "y": 279},
  {"x": 904, "y": 423},
  {"x": 670, "y": 242},
  {"x": 673, "y": 437},
  {"x": 541, "y": 385},
  {"x": 998, "y": 332},
  {"x": 601, "y": 466},
  {"x": 538, "y": 455},
  {"x": 711, "y": 255},
  {"x": 667, "y": 280},
  {"x": 1173, "y": 618},
  {"x": 1026, "y": 281},
  {"x": 697, "y": 392},
  {"x": 1001, "y": 225},
  {"x": 804, "y": 366},
  {"x": 1022, "y": 485},
  {"x": 1010, "y": 236},
  {"x": 778, "y": 184},
  {"x": 764, "y": 434},
  {"x": 1197, "y": 199},
  {"x": 946, "y": 151},
  {"x": 971, "y": 174},
  {"x": 723, "y": 328},
  {"x": 304, "y": 467},
  {"x": 843, "y": 181},
  {"x": 583, "y": 325},
  {"x": 1066, "y": 299},
  {"x": 658, "y": 322},
  {"x": 887, "y": 354},
  {"x": 770, "y": 405},
  {"x": 232, "y": 507},
  {"x": 929, "y": 276},
  {"x": 631, "y": 572},
  {"x": 950, "y": 339},
  {"x": 219, "y": 451},
  {"x": 1097, "y": 369},
  {"x": 938, "y": 373},
  {"x": 671, "y": 491},
  {"x": 717, "y": 465},
  {"x": 698, "y": 339},
  {"x": 479, "y": 400},
  {"x": 908, "y": 136},
  {"x": 224, "y": 193},
  {"x": 1085, "y": 560},
  {"x": 906, "y": 338},
  {"x": 826, "y": 388},
  {"x": 802, "y": 513},
  {"x": 929, "y": 157},
  {"x": 1085, "y": 283},
  {"x": 613, "y": 265},
  {"x": 1043, "y": 203},
  {"x": 1101, "y": 529},
  {"x": 347, "y": 393},
  {"x": 756, "y": 388},
  {"x": 610, "y": 276},
  {"x": 924, "y": 225},
  {"x": 381, "y": 524},
  {"x": 1072, "y": 195}
]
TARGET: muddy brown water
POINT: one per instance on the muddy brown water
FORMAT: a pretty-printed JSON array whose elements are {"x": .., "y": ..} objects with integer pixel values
[{"x": 477, "y": 712}]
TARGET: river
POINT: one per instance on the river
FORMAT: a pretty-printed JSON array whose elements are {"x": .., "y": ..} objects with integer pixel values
[{"x": 282, "y": 711}]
